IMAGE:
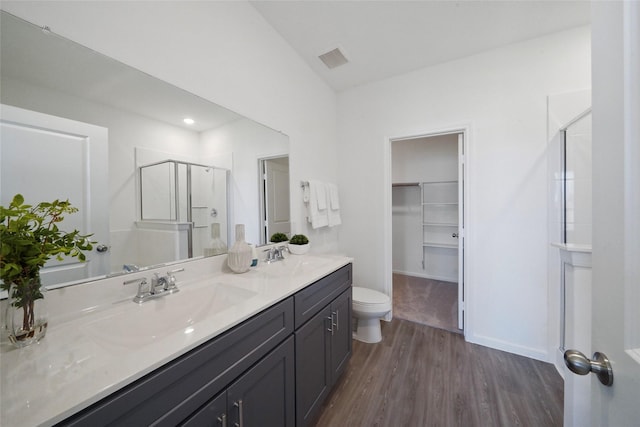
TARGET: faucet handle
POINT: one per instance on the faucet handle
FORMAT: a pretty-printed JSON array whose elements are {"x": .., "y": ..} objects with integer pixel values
[
  {"x": 170, "y": 283},
  {"x": 142, "y": 282},
  {"x": 280, "y": 250}
]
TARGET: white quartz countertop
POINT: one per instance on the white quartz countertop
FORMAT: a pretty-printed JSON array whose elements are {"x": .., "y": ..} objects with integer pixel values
[{"x": 99, "y": 348}]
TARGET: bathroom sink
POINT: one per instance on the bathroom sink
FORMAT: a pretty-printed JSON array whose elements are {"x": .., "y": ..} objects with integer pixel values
[
  {"x": 134, "y": 325},
  {"x": 294, "y": 265}
]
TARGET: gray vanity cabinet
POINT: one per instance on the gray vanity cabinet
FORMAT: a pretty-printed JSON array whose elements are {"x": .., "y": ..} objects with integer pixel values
[
  {"x": 213, "y": 414},
  {"x": 263, "y": 396},
  {"x": 273, "y": 370},
  {"x": 173, "y": 393},
  {"x": 342, "y": 334},
  {"x": 323, "y": 342}
]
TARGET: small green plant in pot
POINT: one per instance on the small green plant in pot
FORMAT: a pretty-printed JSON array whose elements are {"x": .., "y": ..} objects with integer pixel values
[
  {"x": 299, "y": 244},
  {"x": 29, "y": 237},
  {"x": 278, "y": 237}
]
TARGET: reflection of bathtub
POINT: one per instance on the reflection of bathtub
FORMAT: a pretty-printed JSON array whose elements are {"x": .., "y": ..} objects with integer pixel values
[
  {"x": 576, "y": 331},
  {"x": 162, "y": 241}
]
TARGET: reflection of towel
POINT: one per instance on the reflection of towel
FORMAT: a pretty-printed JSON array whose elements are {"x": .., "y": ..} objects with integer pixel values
[
  {"x": 317, "y": 206},
  {"x": 334, "y": 205}
]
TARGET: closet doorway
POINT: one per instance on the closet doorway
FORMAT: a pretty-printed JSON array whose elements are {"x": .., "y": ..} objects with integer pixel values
[{"x": 428, "y": 229}]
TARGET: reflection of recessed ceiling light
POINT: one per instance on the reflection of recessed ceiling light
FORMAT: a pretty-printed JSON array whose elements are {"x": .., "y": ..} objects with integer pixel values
[{"x": 189, "y": 121}]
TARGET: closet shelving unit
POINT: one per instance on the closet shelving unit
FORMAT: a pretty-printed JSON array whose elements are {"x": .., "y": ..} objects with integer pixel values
[{"x": 439, "y": 200}]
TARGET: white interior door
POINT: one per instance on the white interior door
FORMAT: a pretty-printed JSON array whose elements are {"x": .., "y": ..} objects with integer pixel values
[
  {"x": 461, "y": 231},
  {"x": 616, "y": 211},
  {"x": 45, "y": 158},
  {"x": 277, "y": 218}
]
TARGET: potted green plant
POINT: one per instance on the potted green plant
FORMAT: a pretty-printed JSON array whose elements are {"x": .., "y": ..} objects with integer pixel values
[
  {"x": 29, "y": 237},
  {"x": 299, "y": 244},
  {"x": 278, "y": 238}
]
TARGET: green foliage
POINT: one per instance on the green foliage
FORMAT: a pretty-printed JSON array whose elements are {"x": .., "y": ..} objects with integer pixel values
[
  {"x": 29, "y": 237},
  {"x": 299, "y": 239},
  {"x": 278, "y": 237}
]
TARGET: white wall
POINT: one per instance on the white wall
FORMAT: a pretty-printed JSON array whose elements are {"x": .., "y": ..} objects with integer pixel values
[
  {"x": 501, "y": 96},
  {"x": 226, "y": 53}
]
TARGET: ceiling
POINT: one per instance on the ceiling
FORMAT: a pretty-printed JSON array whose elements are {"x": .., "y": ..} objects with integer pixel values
[{"x": 387, "y": 38}]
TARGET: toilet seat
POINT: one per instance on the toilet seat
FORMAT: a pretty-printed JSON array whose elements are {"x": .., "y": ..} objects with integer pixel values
[{"x": 368, "y": 300}]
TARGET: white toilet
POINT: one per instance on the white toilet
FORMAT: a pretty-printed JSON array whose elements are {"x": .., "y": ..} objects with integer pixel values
[{"x": 368, "y": 307}]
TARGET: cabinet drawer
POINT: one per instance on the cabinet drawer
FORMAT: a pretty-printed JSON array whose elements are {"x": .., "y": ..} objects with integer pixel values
[
  {"x": 314, "y": 297},
  {"x": 171, "y": 393}
]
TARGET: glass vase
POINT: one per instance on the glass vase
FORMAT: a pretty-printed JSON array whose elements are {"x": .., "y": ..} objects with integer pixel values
[
  {"x": 27, "y": 314},
  {"x": 240, "y": 256},
  {"x": 216, "y": 246}
]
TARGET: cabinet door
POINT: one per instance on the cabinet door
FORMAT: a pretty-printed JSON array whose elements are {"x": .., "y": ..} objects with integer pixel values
[
  {"x": 265, "y": 396},
  {"x": 313, "y": 365},
  {"x": 213, "y": 414},
  {"x": 341, "y": 339}
]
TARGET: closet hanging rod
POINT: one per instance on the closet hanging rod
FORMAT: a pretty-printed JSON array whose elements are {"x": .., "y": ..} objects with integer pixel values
[{"x": 405, "y": 184}]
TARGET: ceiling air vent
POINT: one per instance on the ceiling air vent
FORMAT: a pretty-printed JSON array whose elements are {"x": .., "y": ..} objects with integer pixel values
[{"x": 333, "y": 58}]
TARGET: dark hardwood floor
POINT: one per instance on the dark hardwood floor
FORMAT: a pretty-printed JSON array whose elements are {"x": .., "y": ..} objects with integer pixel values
[{"x": 422, "y": 376}]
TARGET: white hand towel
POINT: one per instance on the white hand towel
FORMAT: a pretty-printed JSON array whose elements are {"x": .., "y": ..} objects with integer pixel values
[
  {"x": 321, "y": 194},
  {"x": 333, "y": 212},
  {"x": 317, "y": 217},
  {"x": 334, "y": 201}
]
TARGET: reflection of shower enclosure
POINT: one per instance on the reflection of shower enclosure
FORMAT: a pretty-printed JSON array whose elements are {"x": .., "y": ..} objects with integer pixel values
[
  {"x": 179, "y": 203},
  {"x": 577, "y": 180}
]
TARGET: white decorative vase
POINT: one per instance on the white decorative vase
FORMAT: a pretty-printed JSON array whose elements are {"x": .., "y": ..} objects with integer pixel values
[
  {"x": 240, "y": 255},
  {"x": 299, "y": 249}
]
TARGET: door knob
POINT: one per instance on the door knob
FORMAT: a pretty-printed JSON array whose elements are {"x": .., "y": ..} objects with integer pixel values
[
  {"x": 455, "y": 235},
  {"x": 600, "y": 365},
  {"x": 102, "y": 248}
]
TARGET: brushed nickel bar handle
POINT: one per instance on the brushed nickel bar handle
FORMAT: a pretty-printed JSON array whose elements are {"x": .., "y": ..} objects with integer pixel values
[
  {"x": 238, "y": 405},
  {"x": 330, "y": 319}
]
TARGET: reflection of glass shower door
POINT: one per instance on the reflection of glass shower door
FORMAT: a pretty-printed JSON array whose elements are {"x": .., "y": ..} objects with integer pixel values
[
  {"x": 188, "y": 194},
  {"x": 208, "y": 207}
]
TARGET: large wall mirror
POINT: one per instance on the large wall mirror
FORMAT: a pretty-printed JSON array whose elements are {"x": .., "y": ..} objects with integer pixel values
[{"x": 151, "y": 188}]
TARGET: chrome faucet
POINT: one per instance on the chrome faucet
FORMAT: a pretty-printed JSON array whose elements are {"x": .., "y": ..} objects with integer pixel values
[
  {"x": 160, "y": 286},
  {"x": 275, "y": 253}
]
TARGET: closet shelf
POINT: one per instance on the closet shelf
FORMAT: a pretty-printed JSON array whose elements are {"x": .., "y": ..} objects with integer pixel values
[
  {"x": 440, "y": 224},
  {"x": 440, "y": 203}
]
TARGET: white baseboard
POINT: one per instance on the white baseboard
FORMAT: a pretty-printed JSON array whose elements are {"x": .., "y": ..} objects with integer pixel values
[
  {"x": 533, "y": 353},
  {"x": 426, "y": 276}
]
